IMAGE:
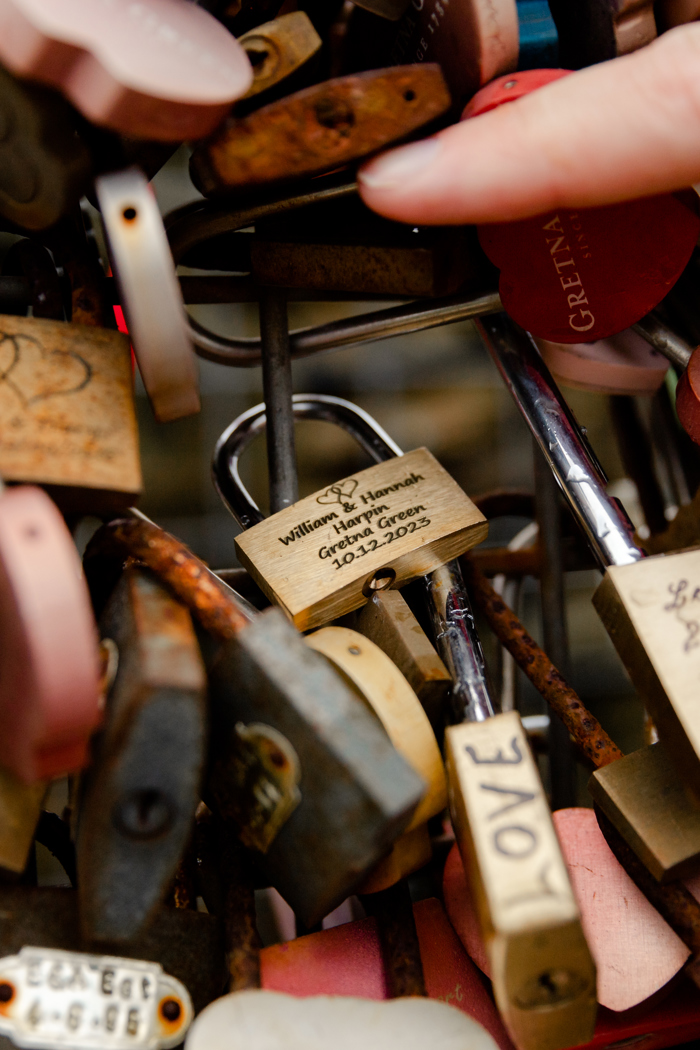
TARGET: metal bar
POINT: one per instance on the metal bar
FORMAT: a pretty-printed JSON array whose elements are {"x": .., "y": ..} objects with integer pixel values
[
  {"x": 214, "y": 605},
  {"x": 579, "y": 476},
  {"x": 664, "y": 339},
  {"x": 562, "y": 771},
  {"x": 636, "y": 454},
  {"x": 458, "y": 644},
  {"x": 277, "y": 391},
  {"x": 666, "y": 436},
  {"x": 448, "y": 602},
  {"x": 380, "y": 324},
  {"x": 588, "y": 733},
  {"x": 398, "y": 937}
]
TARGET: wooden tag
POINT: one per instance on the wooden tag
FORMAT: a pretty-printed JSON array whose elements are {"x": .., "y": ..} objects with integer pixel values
[
  {"x": 323, "y": 557},
  {"x": 320, "y": 128},
  {"x": 644, "y": 798},
  {"x": 651, "y": 610},
  {"x": 67, "y": 418},
  {"x": 542, "y": 971}
]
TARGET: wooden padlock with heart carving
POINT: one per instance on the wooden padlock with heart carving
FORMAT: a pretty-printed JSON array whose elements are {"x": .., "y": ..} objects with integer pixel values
[
  {"x": 327, "y": 554},
  {"x": 67, "y": 418}
]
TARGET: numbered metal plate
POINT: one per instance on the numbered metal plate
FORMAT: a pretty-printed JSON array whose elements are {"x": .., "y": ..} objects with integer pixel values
[{"x": 51, "y": 998}]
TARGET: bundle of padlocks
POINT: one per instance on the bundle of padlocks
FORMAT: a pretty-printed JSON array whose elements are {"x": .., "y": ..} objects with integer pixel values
[{"x": 317, "y": 723}]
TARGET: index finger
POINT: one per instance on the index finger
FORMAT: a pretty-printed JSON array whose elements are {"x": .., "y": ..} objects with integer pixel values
[{"x": 615, "y": 131}]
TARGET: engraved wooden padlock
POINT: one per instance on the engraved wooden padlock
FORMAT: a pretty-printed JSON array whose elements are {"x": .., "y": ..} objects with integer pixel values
[
  {"x": 67, "y": 417},
  {"x": 325, "y": 555},
  {"x": 648, "y": 606},
  {"x": 544, "y": 977}
]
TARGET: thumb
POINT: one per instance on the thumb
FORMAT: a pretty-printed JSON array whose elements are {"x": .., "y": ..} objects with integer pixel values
[{"x": 623, "y": 129}]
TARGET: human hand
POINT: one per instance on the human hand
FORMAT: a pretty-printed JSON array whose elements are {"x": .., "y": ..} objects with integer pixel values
[{"x": 615, "y": 131}]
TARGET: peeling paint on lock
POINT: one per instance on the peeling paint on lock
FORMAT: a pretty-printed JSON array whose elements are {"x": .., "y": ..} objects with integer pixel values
[{"x": 257, "y": 787}]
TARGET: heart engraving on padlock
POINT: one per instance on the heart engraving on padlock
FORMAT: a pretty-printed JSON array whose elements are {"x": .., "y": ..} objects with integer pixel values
[
  {"x": 340, "y": 493},
  {"x": 35, "y": 373}
]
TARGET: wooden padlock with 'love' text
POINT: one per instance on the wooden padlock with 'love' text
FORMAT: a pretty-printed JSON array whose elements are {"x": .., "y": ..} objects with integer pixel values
[{"x": 327, "y": 554}]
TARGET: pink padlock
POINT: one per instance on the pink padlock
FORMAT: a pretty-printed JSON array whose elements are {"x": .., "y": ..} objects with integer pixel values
[
  {"x": 49, "y": 673},
  {"x": 154, "y": 69},
  {"x": 621, "y": 364},
  {"x": 637, "y": 954},
  {"x": 346, "y": 960}
]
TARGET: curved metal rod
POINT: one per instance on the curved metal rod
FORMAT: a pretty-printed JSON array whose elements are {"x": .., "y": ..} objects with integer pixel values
[
  {"x": 447, "y": 600},
  {"x": 236, "y": 438},
  {"x": 380, "y": 324},
  {"x": 196, "y": 223},
  {"x": 458, "y": 643},
  {"x": 199, "y": 221}
]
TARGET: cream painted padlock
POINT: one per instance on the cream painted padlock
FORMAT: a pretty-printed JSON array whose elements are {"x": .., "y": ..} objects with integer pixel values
[
  {"x": 327, "y": 554},
  {"x": 380, "y": 685}
]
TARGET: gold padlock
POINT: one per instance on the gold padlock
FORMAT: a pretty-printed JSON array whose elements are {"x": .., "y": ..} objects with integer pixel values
[{"x": 325, "y": 555}]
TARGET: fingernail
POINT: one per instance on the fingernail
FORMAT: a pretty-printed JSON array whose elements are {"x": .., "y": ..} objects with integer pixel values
[{"x": 401, "y": 164}]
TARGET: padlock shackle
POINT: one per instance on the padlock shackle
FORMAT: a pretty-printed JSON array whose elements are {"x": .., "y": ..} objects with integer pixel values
[
  {"x": 446, "y": 595},
  {"x": 580, "y": 477},
  {"x": 236, "y": 438}
]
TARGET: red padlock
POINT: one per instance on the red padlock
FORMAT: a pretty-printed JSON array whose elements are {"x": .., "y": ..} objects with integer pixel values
[
  {"x": 582, "y": 274},
  {"x": 688, "y": 397},
  {"x": 49, "y": 681}
]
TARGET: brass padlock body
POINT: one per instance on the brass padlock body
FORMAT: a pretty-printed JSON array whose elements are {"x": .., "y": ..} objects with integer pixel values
[
  {"x": 521, "y": 886},
  {"x": 390, "y": 523},
  {"x": 651, "y": 610},
  {"x": 643, "y": 796}
]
